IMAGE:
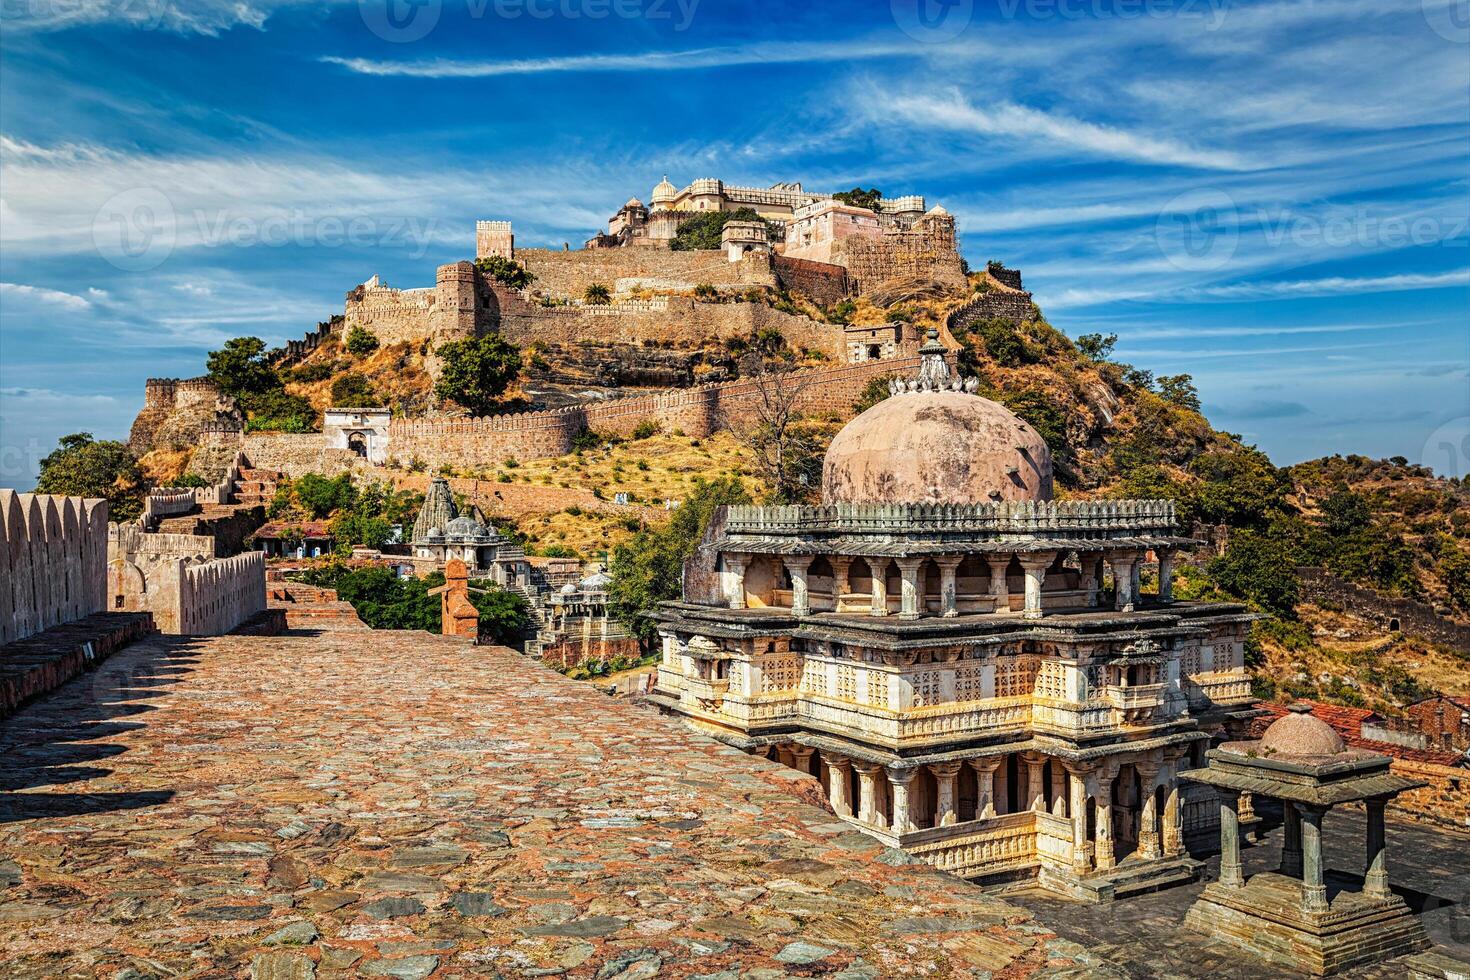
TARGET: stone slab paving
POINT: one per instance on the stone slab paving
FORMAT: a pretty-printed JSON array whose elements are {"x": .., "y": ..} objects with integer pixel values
[
  {"x": 1429, "y": 867},
  {"x": 402, "y": 805}
]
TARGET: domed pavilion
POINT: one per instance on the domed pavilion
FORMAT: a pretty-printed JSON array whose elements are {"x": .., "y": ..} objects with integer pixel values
[
  {"x": 1301, "y": 916},
  {"x": 969, "y": 666}
]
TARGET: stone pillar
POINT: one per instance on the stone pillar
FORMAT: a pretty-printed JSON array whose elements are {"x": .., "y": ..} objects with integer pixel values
[
  {"x": 1291, "y": 844},
  {"x": 1135, "y": 589},
  {"x": 867, "y": 791},
  {"x": 1148, "y": 821},
  {"x": 1035, "y": 567},
  {"x": 1230, "y": 873},
  {"x": 785, "y": 755},
  {"x": 1166, "y": 576},
  {"x": 837, "y": 784},
  {"x": 801, "y": 759},
  {"x": 840, "y": 582},
  {"x": 801, "y": 603},
  {"x": 1035, "y": 785},
  {"x": 898, "y": 780},
  {"x": 1173, "y": 817},
  {"x": 909, "y": 598},
  {"x": 1247, "y": 807},
  {"x": 944, "y": 810},
  {"x": 1081, "y": 860},
  {"x": 880, "y": 587},
  {"x": 1058, "y": 789},
  {"x": 1123, "y": 580},
  {"x": 1089, "y": 579},
  {"x": 1375, "y": 875},
  {"x": 948, "y": 598},
  {"x": 985, "y": 780},
  {"x": 1103, "y": 850},
  {"x": 999, "y": 590},
  {"x": 734, "y": 580},
  {"x": 1314, "y": 888}
]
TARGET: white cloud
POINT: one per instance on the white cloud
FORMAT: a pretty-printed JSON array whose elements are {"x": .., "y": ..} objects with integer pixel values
[
  {"x": 209, "y": 17},
  {"x": 41, "y": 296},
  {"x": 1335, "y": 285}
]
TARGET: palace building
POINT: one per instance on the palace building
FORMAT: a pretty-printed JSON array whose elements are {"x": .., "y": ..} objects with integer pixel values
[{"x": 970, "y": 668}]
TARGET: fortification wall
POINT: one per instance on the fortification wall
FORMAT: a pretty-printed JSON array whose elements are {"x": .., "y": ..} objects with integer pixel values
[
  {"x": 217, "y": 596},
  {"x": 568, "y": 274},
  {"x": 920, "y": 253},
  {"x": 825, "y": 282},
  {"x": 1414, "y": 618},
  {"x": 676, "y": 321},
  {"x": 697, "y": 412},
  {"x": 297, "y": 453},
  {"x": 1444, "y": 800},
  {"x": 391, "y": 315},
  {"x": 53, "y": 561},
  {"x": 996, "y": 304}
]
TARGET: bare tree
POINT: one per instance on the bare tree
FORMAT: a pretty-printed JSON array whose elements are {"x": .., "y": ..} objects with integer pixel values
[{"x": 787, "y": 451}]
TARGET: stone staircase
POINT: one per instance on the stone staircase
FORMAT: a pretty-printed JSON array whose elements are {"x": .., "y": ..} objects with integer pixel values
[{"x": 256, "y": 486}]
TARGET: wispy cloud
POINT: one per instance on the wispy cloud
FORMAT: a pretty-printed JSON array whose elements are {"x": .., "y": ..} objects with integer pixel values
[
  {"x": 209, "y": 17},
  {"x": 692, "y": 59},
  {"x": 1335, "y": 285},
  {"x": 39, "y": 295}
]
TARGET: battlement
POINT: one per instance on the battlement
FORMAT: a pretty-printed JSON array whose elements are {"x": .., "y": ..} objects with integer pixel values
[{"x": 494, "y": 238}]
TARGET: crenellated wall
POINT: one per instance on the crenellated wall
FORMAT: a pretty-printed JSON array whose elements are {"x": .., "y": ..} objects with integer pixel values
[
  {"x": 53, "y": 561},
  {"x": 217, "y": 596},
  {"x": 697, "y": 412},
  {"x": 568, "y": 274}
]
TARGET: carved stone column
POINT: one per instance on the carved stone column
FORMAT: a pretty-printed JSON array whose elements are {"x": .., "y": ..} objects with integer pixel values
[
  {"x": 1000, "y": 591},
  {"x": 1103, "y": 849},
  {"x": 898, "y": 781},
  {"x": 796, "y": 566},
  {"x": 734, "y": 580},
  {"x": 945, "y": 814},
  {"x": 841, "y": 584},
  {"x": 1148, "y": 821},
  {"x": 909, "y": 598},
  {"x": 1173, "y": 817},
  {"x": 1230, "y": 873},
  {"x": 1314, "y": 887},
  {"x": 1166, "y": 576},
  {"x": 838, "y": 768},
  {"x": 1123, "y": 581},
  {"x": 1246, "y": 806},
  {"x": 948, "y": 597},
  {"x": 785, "y": 756},
  {"x": 1035, "y": 781},
  {"x": 1058, "y": 788},
  {"x": 1375, "y": 875},
  {"x": 1089, "y": 579},
  {"x": 879, "y": 571},
  {"x": 1035, "y": 567},
  {"x": 985, "y": 777},
  {"x": 1081, "y": 858},
  {"x": 867, "y": 791},
  {"x": 801, "y": 756}
]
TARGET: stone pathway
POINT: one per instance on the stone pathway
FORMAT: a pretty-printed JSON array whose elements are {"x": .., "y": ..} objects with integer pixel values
[{"x": 376, "y": 804}]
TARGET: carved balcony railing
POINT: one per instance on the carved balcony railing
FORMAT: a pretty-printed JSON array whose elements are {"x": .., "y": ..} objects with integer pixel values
[{"x": 1066, "y": 517}]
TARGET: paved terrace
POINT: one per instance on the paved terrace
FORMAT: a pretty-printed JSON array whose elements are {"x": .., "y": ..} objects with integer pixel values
[{"x": 379, "y": 804}]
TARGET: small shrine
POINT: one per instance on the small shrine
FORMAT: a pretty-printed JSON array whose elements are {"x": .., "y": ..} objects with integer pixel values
[{"x": 1302, "y": 916}]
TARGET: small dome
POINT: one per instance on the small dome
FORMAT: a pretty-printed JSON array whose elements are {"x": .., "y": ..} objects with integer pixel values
[
  {"x": 1300, "y": 733},
  {"x": 664, "y": 192},
  {"x": 633, "y": 202},
  {"x": 944, "y": 447},
  {"x": 569, "y": 589},
  {"x": 596, "y": 582},
  {"x": 938, "y": 209}
]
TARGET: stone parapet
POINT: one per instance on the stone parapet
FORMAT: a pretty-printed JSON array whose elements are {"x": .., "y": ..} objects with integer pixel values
[{"x": 53, "y": 561}]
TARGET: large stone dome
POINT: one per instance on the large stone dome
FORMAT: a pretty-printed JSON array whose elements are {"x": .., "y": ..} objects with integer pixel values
[
  {"x": 936, "y": 447},
  {"x": 1300, "y": 733}
]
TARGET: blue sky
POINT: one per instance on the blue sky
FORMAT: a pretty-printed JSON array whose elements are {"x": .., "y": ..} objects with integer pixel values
[{"x": 1271, "y": 197}]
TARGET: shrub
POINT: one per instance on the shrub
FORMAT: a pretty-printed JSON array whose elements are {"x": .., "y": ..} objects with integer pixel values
[
  {"x": 506, "y": 271},
  {"x": 705, "y": 291},
  {"x": 645, "y": 429},
  {"x": 360, "y": 343},
  {"x": 596, "y": 294},
  {"x": 354, "y": 391}
]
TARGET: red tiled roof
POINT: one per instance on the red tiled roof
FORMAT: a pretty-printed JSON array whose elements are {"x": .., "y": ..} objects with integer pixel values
[
  {"x": 307, "y": 529},
  {"x": 1348, "y": 722}
]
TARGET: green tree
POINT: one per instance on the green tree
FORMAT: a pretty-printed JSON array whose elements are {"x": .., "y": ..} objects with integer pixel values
[
  {"x": 1096, "y": 347},
  {"x": 1259, "y": 569},
  {"x": 240, "y": 368},
  {"x": 352, "y": 390},
  {"x": 859, "y": 198},
  {"x": 320, "y": 496},
  {"x": 83, "y": 467},
  {"x": 702, "y": 230},
  {"x": 1239, "y": 487},
  {"x": 506, "y": 271},
  {"x": 649, "y": 568},
  {"x": 1179, "y": 389},
  {"x": 360, "y": 343},
  {"x": 1345, "y": 513},
  {"x": 504, "y": 616},
  {"x": 276, "y": 411},
  {"x": 596, "y": 294},
  {"x": 476, "y": 372}
]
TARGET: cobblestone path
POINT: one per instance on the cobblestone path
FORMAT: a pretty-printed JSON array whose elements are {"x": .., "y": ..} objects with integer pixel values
[{"x": 401, "y": 805}]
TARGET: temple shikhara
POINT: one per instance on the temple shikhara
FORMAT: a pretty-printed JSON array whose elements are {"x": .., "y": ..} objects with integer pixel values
[{"x": 971, "y": 668}]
